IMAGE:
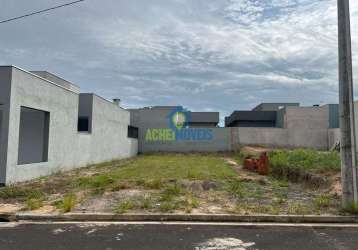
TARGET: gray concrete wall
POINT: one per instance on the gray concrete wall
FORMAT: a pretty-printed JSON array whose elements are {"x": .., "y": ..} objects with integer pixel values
[
  {"x": 263, "y": 136},
  {"x": 306, "y": 118},
  {"x": 67, "y": 148},
  {"x": 308, "y": 138},
  {"x": 227, "y": 139},
  {"x": 5, "y": 86},
  {"x": 144, "y": 119},
  {"x": 222, "y": 141},
  {"x": 304, "y": 127},
  {"x": 334, "y": 135},
  {"x": 110, "y": 132},
  {"x": 278, "y": 137}
]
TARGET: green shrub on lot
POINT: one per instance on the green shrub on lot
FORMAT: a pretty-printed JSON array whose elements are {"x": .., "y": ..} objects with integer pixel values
[
  {"x": 146, "y": 202},
  {"x": 67, "y": 204},
  {"x": 124, "y": 206},
  {"x": 33, "y": 204},
  {"x": 168, "y": 207},
  {"x": 190, "y": 202},
  {"x": 95, "y": 182},
  {"x": 236, "y": 188},
  {"x": 279, "y": 184},
  {"x": 322, "y": 201},
  {"x": 13, "y": 192},
  {"x": 170, "y": 193},
  {"x": 294, "y": 164},
  {"x": 353, "y": 209},
  {"x": 297, "y": 209},
  {"x": 153, "y": 184},
  {"x": 120, "y": 186}
]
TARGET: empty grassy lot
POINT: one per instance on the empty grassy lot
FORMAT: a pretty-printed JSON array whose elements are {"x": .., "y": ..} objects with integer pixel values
[{"x": 182, "y": 183}]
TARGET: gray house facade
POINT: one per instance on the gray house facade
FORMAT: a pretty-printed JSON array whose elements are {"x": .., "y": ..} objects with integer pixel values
[{"x": 47, "y": 126}]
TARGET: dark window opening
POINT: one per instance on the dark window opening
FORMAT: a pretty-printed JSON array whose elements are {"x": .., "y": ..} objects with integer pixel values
[
  {"x": 33, "y": 136},
  {"x": 83, "y": 124},
  {"x": 133, "y": 132}
]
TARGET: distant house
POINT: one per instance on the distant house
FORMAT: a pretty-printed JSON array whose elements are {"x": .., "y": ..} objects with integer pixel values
[
  {"x": 264, "y": 115},
  {"x": 157, "y": 116}
]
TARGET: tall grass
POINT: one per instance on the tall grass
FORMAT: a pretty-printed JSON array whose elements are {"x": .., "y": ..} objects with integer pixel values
[{"x": 294, "y": 164}]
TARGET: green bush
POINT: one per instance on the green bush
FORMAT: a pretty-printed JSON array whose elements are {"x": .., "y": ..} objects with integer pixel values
[
  {"x": 153, "y": 184},
  {"x": 168, "y": 207},
  {"x": 67, "y": 204},
  {"x": 190, "y": 202},
  {"x": 352, "y": 209},
  {"x": 13, "y": 192},
  {"x": 236, "y": 188},
  {"x": 124, "y": 206},
  {"x": 33, "y": 203},
  {"x": 294, "y": 164},
  {"x": 95, "y": 182},
  {"x": 297, "y": 208},
  {"x": 170, "y": 193},
  {"x": 146, "y": 202},
  {"x": 322, "y": 201}
]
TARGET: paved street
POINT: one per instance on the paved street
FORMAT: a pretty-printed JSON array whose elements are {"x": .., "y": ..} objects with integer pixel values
[{"x": 171, "y": 236}]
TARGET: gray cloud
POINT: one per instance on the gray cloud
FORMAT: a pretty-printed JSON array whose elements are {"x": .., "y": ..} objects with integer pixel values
[{"x": 203, "y": 54}]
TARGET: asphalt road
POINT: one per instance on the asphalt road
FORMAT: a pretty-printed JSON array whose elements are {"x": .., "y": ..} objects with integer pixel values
[{"x": 171, "y": 236}]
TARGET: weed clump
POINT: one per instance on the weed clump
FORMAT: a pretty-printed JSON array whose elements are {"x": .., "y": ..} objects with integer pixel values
[
  {"x": 13, "y": 192},
  {"x": 67, "y": 203},
  {"x": 123, "y": 207},
  {"x": 296, "y": 165}
]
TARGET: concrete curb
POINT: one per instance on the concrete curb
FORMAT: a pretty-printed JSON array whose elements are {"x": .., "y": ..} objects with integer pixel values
[{"x": 109, "y": 217}]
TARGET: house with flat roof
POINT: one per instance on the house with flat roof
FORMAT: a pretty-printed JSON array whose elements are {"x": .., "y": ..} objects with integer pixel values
[
  {"x": 157, "y": 116},
  {"x": 274, "y": 106},
  {"x": 47, "y": 125},
  {"x": 281, "y": 115},
  {"x": 257, "y": 119},
  {"x": 267, "y": 115}
]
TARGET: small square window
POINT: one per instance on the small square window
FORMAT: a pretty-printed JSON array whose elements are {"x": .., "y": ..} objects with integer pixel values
[
  {"x": 133, "y": 132},
  {"x": 83, "y": 124}
]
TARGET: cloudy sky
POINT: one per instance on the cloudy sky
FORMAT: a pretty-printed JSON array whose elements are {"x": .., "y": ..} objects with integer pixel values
[{"x": 219, "y": 55}]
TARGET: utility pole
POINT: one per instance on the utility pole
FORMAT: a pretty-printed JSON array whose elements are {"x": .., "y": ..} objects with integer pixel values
[{"x": 346, "y": 108}]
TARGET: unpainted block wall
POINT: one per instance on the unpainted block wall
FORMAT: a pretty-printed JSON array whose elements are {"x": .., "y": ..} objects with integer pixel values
[
  {"x": 303, "y": 127},
  {"x": 263, "y": 136},
  {"x": 306, "y": 118},
  {"x": 222, "y": 141}
]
